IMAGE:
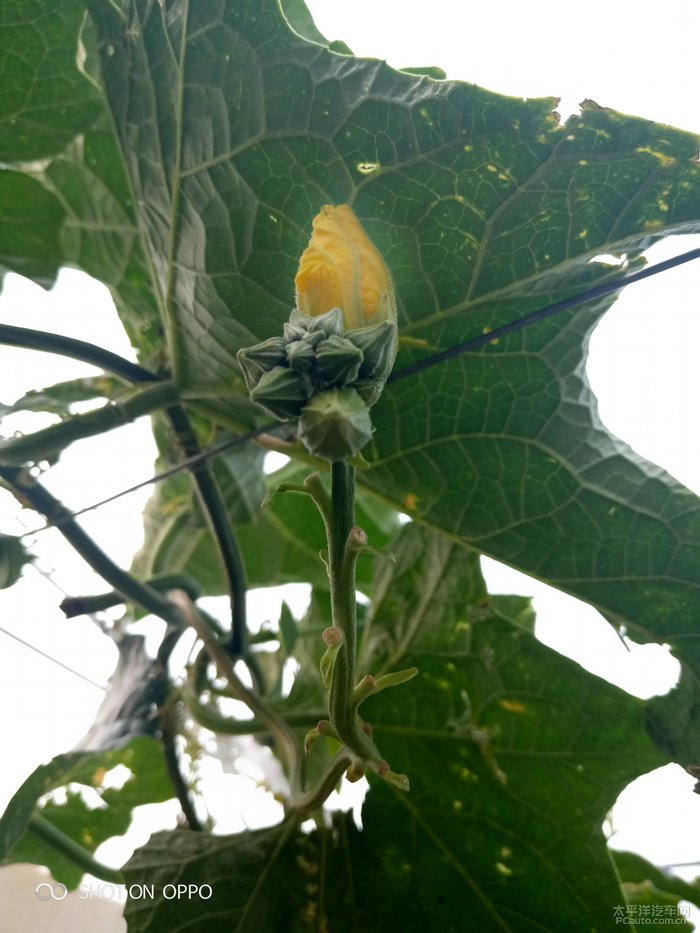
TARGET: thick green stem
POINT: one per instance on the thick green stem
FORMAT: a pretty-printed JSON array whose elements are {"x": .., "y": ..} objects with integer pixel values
[
  {"x": 73, "y": 606},
  {"x": 327, "y": 783},
  {"x": 45, "y": 444},
  {"x": 342, "y": 589},
  {"x": 47, "y": 832},
  {"x": 214, "y": 507},
  {"x": 76, "y": 349},
  {"x": 343, "y": 607},
  {"x": 29, "y": 492},
  {"x": 342, "y": 556},
  {"x": 211, "y": 719},
  {"x": 169, "y": 732}
]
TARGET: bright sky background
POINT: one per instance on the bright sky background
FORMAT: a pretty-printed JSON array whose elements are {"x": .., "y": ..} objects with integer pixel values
[{"x": 641, "y": 59}]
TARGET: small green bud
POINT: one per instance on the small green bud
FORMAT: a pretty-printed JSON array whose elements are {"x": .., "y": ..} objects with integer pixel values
[
  {"x": 282, "y": 392},
  {"x": 335, "y": 424},
  {"x": 332, "y": 636},
  {"x": 261, "y": 358},
  {"x": 338, "y": 361},
  {"x": 357, "y": 539}
]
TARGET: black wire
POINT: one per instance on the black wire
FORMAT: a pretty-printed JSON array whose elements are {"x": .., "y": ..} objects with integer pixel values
[
  {"x": 185, "y": 464},
  {"x": 473, "y": 343},
  {"x": 597, "y": 291},
  {"x": 50, "y": 657}
]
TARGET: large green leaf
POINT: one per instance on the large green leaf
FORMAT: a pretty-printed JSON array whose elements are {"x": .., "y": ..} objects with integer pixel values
[
  {"x": 510, "y": 749},
  {"x": 46, "y": 99},
  {"x": 276, "y": 880},
  {"x": 70, "y": 203},
  {"x": 515, "y": 755},
  {"x": 485, "y": 207},
  {"x": 101, "y": 234},
  {"x": 30, "y": 225},
  {"x": 234, "y": 130}
]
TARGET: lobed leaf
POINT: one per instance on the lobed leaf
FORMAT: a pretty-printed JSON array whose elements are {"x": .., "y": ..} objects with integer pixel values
[
  {"x": 515, "y": 755},
  {"x": 484, "y": 207},
  {"x": 276, "y": 879}
]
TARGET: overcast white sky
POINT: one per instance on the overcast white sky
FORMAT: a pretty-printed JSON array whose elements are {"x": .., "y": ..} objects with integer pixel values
[{"x": 641, "y": 59}]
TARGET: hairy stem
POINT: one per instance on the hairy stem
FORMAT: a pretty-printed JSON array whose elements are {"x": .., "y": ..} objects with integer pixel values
[
  {"x": 169, "y": 731},
  {"x": 342, "y": 590},
  {"x": 341, "y": 575},
  {"x": 47, "y": 832},
  {"x": 327, "y": 783},
  {"x": 44, "y": 444}
]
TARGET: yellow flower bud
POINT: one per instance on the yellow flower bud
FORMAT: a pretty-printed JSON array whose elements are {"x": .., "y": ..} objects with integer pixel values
[{"x": 341, "y": 268}]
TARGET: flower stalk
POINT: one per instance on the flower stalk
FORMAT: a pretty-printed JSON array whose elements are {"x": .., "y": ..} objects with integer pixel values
[{"x": 327, "y": 369}]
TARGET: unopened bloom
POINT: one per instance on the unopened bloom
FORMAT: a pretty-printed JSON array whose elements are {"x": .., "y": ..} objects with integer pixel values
[
  {"x": 342, "y": 268},
  {"x": 339, "y": 345}
]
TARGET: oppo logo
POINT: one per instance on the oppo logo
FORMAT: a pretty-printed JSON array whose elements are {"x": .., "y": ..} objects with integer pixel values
[{"x": 51, "y": 892}]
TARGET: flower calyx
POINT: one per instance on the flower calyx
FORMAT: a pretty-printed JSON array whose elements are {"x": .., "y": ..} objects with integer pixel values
[{"x": 339, "y": 345}]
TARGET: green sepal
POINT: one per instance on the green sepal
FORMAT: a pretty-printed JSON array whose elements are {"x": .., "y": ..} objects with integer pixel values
[
  {"x": 260, "y": 359},
  {"x": 335, "y": 425},
  {"x": 309, "y": 739},
  {"x": 282, "y": 392},
  {"x": 301, "y": 355},
  {"x": 329, "y": 324},
  {"x": 338, "y": 361},
  {"x": 379, "y": 345}
]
